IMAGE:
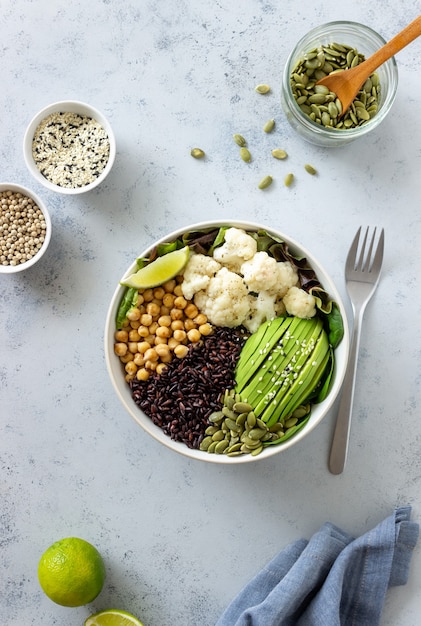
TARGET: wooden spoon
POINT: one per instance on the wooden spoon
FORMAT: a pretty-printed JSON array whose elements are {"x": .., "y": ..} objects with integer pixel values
[{"x": 346, "y": 84}]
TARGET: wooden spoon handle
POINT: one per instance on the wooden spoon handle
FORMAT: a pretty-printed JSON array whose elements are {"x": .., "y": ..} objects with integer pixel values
[{"x": 399, "y": 41}]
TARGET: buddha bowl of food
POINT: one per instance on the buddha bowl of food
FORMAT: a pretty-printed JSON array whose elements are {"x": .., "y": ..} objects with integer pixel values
[{"x": 227, "y": 342}]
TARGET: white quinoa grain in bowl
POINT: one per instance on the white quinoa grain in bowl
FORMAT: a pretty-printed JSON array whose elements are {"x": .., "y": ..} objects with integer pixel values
[
  {"x": 69, "y": 147},
  {"x": 25, "y": 228}
]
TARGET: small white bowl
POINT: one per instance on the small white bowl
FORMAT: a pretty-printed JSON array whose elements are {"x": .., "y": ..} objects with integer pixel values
[
  {"x": 12, "y": 269},
  {"x": 122, "y": 389},
  {"x": 70, "y": 106}
]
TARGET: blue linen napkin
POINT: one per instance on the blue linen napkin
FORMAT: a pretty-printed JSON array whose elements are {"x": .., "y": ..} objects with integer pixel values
[{"x": 331, "y": 580}]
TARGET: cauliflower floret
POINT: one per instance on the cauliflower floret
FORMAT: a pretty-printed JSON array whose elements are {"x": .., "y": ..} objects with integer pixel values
[
  {"x": 299, "y": 303},
  {"x": 286, "y": 277},
  {"x": 197, "y": 274},
  {"x": 261, "y": 272},
  {"x": 225, "y": 301},
  {"x": 262, "y": 308},
  {"x": 237, "y": 248}
]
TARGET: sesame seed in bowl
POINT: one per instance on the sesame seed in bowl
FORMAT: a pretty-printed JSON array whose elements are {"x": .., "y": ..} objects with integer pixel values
[{"x": 69, "y": 147}]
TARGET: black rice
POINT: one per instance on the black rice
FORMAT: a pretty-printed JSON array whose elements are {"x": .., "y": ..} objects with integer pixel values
[{"x": 181, "y": 399}]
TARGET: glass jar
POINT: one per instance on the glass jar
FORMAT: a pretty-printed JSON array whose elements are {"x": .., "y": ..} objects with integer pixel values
[{"x": 366, "y": 41}]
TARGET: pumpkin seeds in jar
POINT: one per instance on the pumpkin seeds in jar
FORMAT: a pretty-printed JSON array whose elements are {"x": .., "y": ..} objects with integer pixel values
[{"x": 321, "y": 105}]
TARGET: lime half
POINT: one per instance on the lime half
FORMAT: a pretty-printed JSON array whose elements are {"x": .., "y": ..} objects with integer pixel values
[
  {"x": 158, "y": 272},
  {"x": 112, "y": 617}
]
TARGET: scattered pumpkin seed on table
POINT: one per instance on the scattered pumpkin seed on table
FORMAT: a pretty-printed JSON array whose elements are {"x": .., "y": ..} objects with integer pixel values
[
  {"x": 240, "y": 141},
  {"x": 277, "y": 153},
  {"x": 288, "y": 180},
  {"x": 265, "y": 182},
  {"x": 310, "y": 169},
  {"x": 197, "y": 153},
  {"x": 262, "y": 88},
  {"x": 269, "y": 126},
  {"x": 245, "y": 155}
]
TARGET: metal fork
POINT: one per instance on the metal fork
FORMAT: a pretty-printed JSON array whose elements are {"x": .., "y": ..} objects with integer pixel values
[{"x": 362, "y": 272}]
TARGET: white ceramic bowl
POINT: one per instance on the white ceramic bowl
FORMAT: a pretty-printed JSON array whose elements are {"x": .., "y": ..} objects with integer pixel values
[
  {"x": 12, "y": 269},
  {"x": 122, "y": 389},
  {"x": 71, "y": 106}
]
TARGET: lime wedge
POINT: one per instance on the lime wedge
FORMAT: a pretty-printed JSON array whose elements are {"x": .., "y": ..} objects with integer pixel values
[
  {"x": 112, "y": 617},
  {"x": 159, "y": 271}
]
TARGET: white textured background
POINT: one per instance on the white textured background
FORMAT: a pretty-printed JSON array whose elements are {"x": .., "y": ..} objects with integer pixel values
[{"x": 181, "y": 538}]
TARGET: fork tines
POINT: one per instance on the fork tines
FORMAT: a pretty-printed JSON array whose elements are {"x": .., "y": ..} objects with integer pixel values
[{"x": 365, "y": 261}]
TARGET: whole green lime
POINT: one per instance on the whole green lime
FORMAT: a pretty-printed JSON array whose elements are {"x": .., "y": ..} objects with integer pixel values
[{"x": 71, "y": 572}]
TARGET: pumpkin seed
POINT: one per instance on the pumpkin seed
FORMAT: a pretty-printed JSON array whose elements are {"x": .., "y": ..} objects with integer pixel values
[
  {"x": 279, "y": 154},
  {"x": 288, "y": 180},
  {"x": 310, "y": 169},
  {"x": 245, "y": 155},
  {"x": 242, "y": 407},
  {"x": 265, "y": 182},
  {"x": 218, "y": 436},
  {"x": 197, "y": 153},
  {"x": 221, "y": 446},
  {"x": 269, "y": 126},
  {"x": 262, "y": 88},
  {"x": 240, "y": 141}
]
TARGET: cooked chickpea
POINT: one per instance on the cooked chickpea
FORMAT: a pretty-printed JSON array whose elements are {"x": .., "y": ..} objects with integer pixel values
[
  {"x": 132, "y": 345},
  {"x": 163, "y": 332},
  {"x": 126, "y": 358},
  {"x": 140, "y": 300},
  {"x": 180, "y": 302},
  {"x": 173, "y": 343},
  {"x": 169, "y": 286},
  {"x": 189, "y": 324},
  {"x": 133, "y": 314},
  {"x": 177, "y": 325},
  {"x": 142, "y": 374},
  {"x": 143, "y": 331},
  {"x": 160, "y": 368},
  {"x": 120, "y": 349},
  {"x": 130, "y": 367},
  {"x": 193, "y": 335},
  {"x": 159, "y": 293},
  {"x": 205, "y": 329},
  {"x": 135, "y": 324},
  {"x": 134, "y": 335},
  {"x": 160, "y": 340},
  {"x": 153, "y": 328},
  {"x": 191, "y": 310},
  {"x": 151, "y": 365},
  {"x": 164, "y": 320},
  {"x": 200, "y": 319},
  {"x": 143, "y": 346},
  {"x": 162, "y": 350},
  {"x": 179, "y": 335},
  {"x": 121, "y": 335},
  {"x": 139, "y": 360},
  {"x": 129, "y": 377},
  {"x": 148, "y": 295},
  {"x": 165, "y": 310},
  {"x": 153, "y": 309},
  {"x": 168, "y": 300},
  {"x": 178, "y": 291},
  {"x": 181, "y": 351},
  {"x": 146, "y": 319},
  {"x": 176, "y": 314},
  {"x": 151, "y": 355}
]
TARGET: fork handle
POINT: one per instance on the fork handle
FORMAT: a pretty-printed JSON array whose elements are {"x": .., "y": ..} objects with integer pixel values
[{"x": 339, "y": 449}]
